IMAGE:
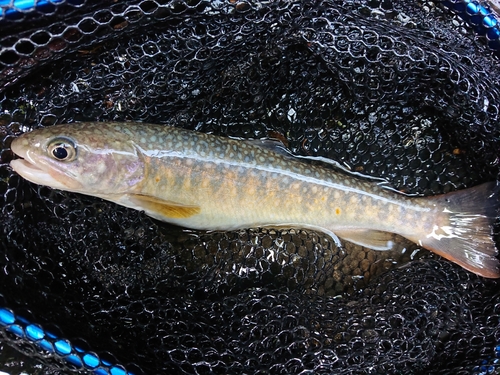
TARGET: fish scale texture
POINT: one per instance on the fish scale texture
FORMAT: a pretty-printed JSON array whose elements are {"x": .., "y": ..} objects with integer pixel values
[{"x": 400, "y": 90}]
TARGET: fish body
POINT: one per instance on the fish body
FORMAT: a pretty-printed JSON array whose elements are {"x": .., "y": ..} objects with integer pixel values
[{"x": 203, "y": 181}]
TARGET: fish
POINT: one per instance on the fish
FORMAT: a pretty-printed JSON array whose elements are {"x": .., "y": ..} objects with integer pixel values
[{"x": 208, "y": 182}]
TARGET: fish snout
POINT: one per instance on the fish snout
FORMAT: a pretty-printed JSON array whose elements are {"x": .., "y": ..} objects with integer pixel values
[{"x": 19, "y": 147}]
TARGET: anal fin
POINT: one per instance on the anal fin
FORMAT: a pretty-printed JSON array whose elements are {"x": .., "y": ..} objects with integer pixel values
[
  {"x": 161, "y": 208},
  {"x": 372, "y": 239}
]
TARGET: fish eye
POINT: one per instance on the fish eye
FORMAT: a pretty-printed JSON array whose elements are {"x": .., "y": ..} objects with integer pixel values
[{"x": 62, "y": 149}]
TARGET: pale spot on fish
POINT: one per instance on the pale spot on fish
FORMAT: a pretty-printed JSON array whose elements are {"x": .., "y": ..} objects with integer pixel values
[
  {"x": 205, "y": 183},
  {"x": 409, "y": 218},
  {"x": 251, "y": 190},
  {"x": 101, "y": 167},
  {"x": 153, "y": 138}
]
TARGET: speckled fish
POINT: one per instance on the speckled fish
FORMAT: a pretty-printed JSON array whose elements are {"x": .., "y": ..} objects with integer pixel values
[{"x": 203, "y": 181}]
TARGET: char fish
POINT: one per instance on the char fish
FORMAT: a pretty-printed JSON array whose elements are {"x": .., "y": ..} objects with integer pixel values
[{"x": 202, "y": 181}]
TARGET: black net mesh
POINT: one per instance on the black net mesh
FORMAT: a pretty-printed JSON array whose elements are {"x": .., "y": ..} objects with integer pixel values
[{"x": 403, "y": 90}]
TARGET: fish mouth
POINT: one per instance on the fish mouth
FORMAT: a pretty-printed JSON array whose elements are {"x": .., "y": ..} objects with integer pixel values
[
  {"x": 27, "y": 168},
  {"x": 34, "y": 174}
]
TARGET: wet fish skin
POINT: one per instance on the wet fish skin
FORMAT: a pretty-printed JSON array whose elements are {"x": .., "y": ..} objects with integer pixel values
[{"x": 203, "y": 181}]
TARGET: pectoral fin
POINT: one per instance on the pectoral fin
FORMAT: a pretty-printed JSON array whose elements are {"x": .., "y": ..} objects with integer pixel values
[
  {"x": 372, "y": 239},
  {"x": 162, "y": 208}
]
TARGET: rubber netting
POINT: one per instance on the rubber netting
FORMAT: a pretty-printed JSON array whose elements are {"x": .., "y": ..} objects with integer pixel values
[{"x": 403, "y": 90}]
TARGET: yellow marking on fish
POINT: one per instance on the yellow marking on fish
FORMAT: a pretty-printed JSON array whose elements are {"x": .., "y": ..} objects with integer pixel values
[
  {"x": 164, "y": 208},
  {"x": 251, "y": 188},
  {"x": 337, "y": 211},
  {"x": 205, "y": 183}
]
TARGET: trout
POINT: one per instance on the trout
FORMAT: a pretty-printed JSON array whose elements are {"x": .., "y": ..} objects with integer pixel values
[{"x": 208, "y": 182}]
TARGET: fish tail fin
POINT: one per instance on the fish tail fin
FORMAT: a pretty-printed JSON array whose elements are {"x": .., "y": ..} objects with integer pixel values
[{"x": 463, "y": 233}]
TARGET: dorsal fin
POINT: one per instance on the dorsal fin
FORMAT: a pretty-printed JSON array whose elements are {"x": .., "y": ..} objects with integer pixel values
[
  {"x": 270, "y": 144},
  {"x": 277, "y": 146}
]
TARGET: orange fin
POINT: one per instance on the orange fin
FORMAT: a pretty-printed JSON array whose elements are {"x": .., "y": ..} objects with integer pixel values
[
  {"x": 467, "y": 237},
  {"x": 163, "y": 208},
  {"x": 372, "y": 239}
]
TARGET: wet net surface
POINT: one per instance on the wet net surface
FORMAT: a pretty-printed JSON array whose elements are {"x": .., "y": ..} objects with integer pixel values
[{"x": 401, "y": 90}]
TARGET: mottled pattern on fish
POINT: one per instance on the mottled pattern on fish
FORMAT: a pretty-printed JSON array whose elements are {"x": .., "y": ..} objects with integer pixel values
[
  {"x": 203, "y": 181},
  {"x": 251, "y": 186}
]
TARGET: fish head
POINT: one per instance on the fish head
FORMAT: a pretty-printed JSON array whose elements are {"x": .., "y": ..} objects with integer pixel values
[{"x": 84, "y": 158}]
